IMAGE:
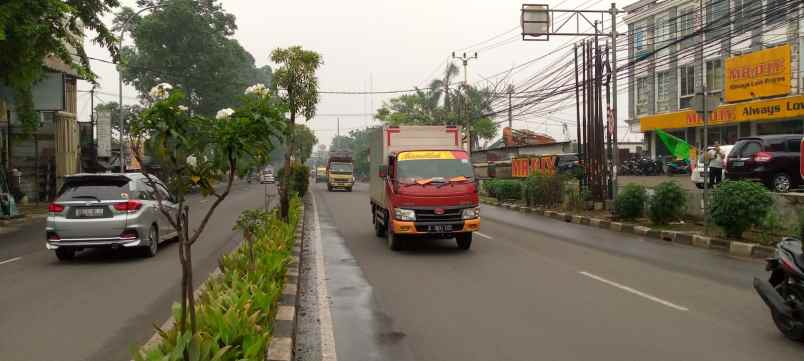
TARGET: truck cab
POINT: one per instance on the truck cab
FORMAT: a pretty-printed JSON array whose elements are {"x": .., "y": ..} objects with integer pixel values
[
  {"x": 422, "y": 189},
  {"x": 340, "y": 171}
]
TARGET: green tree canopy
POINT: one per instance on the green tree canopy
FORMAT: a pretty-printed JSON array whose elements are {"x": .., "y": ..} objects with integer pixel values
[
  {"x": 189, "y": 44},
  {"x": 296, "y": 77},
  {"x": 32, "y": 30}
]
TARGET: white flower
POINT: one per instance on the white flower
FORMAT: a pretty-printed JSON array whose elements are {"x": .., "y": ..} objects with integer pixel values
[
  {"x": 259, "y": 89},
  {"x": 191, "y": 161},
  {"x": 160, "y": 91},
  {"x": 224, "y": 113},
  {"x": 183, "y": 108}
]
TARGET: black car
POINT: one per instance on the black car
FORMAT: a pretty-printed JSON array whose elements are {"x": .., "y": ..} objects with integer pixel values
[
  {"x": 567, "y": 163},
  {"x": 772, "y": 159}
]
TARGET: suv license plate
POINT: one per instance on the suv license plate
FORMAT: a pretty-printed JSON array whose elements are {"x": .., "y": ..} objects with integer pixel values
[
  {"x": 440, "y": 228},
  {"x": 89, "y": 212},
  {"x": 738, "y": 163}
]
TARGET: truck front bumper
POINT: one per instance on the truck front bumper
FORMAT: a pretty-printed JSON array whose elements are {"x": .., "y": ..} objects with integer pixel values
[{"x": 412, "y": 227}]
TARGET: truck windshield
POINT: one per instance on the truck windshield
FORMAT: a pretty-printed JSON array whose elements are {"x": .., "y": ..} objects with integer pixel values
[
  {"x": 341, "y": 168},
  {"x": 449, "y": 165}
]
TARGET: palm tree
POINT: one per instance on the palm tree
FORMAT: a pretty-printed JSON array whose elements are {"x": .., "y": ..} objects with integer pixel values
[{"x": 439, "y": 87}]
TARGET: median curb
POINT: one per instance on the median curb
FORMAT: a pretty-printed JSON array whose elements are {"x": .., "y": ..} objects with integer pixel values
[
  {"x": 734, "y": 248},
  {"x": 282, "y": 345},
  {"x": 283, "y": 337}
]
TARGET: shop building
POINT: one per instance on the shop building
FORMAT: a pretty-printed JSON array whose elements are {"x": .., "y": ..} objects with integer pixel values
[{"x": 751, "y": 59}]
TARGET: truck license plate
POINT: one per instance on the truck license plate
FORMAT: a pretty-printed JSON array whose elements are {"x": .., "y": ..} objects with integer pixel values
[
  {"x": 89, "y": 212},
  {"x": 440, "y": 228}
]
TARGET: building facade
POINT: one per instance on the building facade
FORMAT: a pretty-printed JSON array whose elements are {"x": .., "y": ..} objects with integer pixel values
[
  {"x": 751, "y": 52},
  {"x": 42, "y": 157}
]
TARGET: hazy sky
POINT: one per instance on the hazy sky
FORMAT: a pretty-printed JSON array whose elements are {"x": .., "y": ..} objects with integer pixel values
[{"x": 381, "y": 45}]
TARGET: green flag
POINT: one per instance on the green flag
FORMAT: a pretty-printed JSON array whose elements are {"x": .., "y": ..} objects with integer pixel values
[{"x": 677, "y": 146}]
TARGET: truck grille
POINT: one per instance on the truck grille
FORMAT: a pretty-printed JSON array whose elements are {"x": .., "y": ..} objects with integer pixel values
[{"x": 428, "y": 215}]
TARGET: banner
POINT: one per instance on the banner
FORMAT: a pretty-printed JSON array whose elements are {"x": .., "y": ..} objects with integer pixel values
[
  {"x": 762, "y": 110},
  {"x": 103, "y": 121},
  {"x": 519, "y": 167},
  {"x": 760, "y": 74}
]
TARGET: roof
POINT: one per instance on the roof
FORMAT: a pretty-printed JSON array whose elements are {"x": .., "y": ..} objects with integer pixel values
[{"x": 53, "y": 63}]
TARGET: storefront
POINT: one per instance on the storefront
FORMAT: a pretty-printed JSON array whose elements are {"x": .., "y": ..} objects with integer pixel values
[{"x": 729, "y": 122}]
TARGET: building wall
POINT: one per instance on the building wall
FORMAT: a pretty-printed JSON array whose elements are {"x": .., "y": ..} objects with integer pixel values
[{"x": 644, "y": 19}]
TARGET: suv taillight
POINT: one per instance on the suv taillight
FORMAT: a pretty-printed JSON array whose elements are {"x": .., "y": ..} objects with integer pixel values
[
  {"x": 52, "y": 236},
  {"x": 55, "y": 208},
  {"x": 130, "y": 206},
  {"x": 763, "y": 157}
]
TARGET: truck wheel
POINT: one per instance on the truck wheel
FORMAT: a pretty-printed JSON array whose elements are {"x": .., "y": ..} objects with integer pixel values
[
  {"x": 349, "y": 189},
  {"x": 379, "y": 229},
  {"x": 329, "y": 188},
  {"x": 394, "y": 243},
  {"x": 464, "y": 240}
]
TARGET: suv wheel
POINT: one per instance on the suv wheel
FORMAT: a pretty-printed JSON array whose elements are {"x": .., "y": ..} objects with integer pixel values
[
  {"x": 64, "y": 254},
  {"x": 781, "y": 183}
]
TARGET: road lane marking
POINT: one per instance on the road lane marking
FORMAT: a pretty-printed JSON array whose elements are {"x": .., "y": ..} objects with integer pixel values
[
  {"x": 328, "y": 352},
  {"x": 636, "y": 292},
  {"x": 11, "y": 260},
  {"x": 483, "y": 235}
]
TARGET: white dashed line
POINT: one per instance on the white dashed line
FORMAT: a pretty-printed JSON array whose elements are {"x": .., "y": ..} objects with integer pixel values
[
  {"x": 11, "y": 260},
  {"x": 636, "y": 292},
  {"x": 483, "y": 235}
]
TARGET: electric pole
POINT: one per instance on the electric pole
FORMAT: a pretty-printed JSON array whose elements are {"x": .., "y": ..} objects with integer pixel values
[
  {"x": 338, "y": 131},
  {"x": 705, "y": 117},
  {"x": 510, "y": 116},
  {"x": 616, "y": 156},
  {"x": 465, "y": 59},
  {"x": 92, "y": 115}
]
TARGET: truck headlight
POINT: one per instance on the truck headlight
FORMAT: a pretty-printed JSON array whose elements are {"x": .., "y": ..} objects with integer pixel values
[
  {"x": 471, "y": 213},
  {"x": 404, "y": 214}
]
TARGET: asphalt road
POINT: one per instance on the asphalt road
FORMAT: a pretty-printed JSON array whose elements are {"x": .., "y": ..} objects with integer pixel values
[
  {"x": 533, "y": 288},
  {"x": 100, "y": 305}
]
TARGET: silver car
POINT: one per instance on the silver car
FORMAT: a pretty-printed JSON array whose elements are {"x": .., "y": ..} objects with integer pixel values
[{"x": 109, "y": 210}]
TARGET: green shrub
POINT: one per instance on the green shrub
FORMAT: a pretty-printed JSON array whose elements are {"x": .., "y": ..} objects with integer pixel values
[
  {"x": 739, "y": 205},
  {"x": 489, "y": 186},
  {"x": 573, "y": 200},
  {"x": 507, "y": 189},
  {"x": 299, "y": 178},
  {"x": 630, "y": 202},
  {"x": 234, "y": 312},
  {"x": 771, "y": 227},
  {"x": 544, "y": 190},
  {"x": 667, "y": 204}
]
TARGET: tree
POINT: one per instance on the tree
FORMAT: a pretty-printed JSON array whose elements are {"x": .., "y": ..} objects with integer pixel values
[
  {"x": 440, "y": 87},
  {"x": 296, "y": 76},
  {"x": 32, "y": 30},
  {"x": 188, "y": 43},
  {"x": 130, "y": 112},
  {"x": 304, "y": 141},
  {"x": 195, "y": 150}
]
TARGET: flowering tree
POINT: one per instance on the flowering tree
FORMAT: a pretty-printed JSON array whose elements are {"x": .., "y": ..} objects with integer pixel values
[{"x": 199, "y": 151}]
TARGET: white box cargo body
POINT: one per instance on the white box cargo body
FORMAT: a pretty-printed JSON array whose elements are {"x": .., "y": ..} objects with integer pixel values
[{"x": 388, "y": 140}]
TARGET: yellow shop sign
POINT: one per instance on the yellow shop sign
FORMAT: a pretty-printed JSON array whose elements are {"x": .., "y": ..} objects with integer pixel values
[
  {"x": 763, "y": 110},
  {"x": 760, "y": 74}
]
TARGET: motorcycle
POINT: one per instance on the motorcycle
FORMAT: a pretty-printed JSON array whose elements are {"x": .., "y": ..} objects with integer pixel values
[
  {"x": 676, "y": 166},
  {"x": 783, "y": 292}
]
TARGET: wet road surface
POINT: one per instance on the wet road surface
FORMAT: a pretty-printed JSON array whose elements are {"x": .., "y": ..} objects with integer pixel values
[
  {"x": 535, "y": 288},
  {"x": 99, "y": 305}
]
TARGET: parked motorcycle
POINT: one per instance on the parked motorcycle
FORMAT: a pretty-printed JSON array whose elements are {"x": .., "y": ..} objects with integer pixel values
[
  {"x": 676, "y": 166},
  {"x": 783, "y": 292}
]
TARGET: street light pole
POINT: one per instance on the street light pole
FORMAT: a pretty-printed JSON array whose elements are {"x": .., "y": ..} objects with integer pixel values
[{"x": 121, "y": 121}]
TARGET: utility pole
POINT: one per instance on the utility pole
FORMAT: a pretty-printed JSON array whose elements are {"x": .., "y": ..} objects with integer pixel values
[
  {"x": 465, "y": 59},
  {"x": 510, "y": 116},
  {"x": 338, "y": 131},
  {"x": 92, "y": 115},
  {"x": 705, "y": 117},
  {"x": 616, "y": 150}
]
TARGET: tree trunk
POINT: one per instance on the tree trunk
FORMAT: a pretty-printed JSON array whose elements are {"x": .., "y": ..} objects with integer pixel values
[{"x": 285, "y": 199}]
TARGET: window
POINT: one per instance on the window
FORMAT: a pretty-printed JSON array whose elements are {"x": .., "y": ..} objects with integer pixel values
[
  {"x": 686, "y": 21},
  {"x": 640, "y": 40},
  {"x": 776, "y": 145},
  {"x": 665, "y": 30},
  {"x": 642, "y": 95},
  {"x": 663, "y": 91},
  {"x": 776, "y": 10},
  {"x": 794, "y": 145},
  {"x": 750, "y": 148},
  {"x": 746, "y": 13},
  {"x": 686, "y": 86},
  {"x": 714, "y": 75},
  {"x": 717, "y": 18}
]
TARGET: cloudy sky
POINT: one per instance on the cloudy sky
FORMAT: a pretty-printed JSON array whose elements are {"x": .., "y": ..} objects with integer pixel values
[{"x": 383, "y": 45}]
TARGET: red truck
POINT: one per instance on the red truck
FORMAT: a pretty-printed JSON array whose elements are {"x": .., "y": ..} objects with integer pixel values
[{"x": 422, "y": 183}]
